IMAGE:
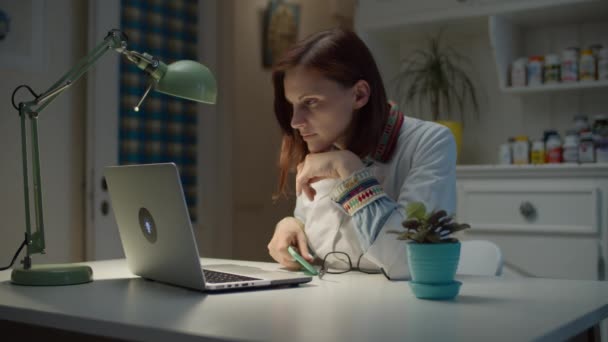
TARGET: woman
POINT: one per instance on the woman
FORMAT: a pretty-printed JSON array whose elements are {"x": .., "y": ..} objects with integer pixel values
[{"x": 358, "y": 160}]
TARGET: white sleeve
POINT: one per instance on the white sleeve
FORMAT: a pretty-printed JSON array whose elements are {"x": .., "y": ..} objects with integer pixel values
[
  {"x": 431, "y": 180},
  {"x": 301, "y": 211}
]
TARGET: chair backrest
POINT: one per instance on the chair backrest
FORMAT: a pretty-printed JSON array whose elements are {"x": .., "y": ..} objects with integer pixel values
[{"x": 480, "y": 257}]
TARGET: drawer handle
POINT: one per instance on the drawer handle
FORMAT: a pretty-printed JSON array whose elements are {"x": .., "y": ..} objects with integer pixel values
[{"x": 527, "y": 210}]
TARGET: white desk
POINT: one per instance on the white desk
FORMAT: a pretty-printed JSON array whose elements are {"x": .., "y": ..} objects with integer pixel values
[{"x": 347, "y": 307}]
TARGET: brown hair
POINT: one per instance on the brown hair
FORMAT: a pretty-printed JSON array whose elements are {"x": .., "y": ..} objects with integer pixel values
[{"x": 340, "y": 56}]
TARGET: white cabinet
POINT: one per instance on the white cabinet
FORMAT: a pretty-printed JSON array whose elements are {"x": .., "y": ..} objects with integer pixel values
[{"x": 549, "y": 221}]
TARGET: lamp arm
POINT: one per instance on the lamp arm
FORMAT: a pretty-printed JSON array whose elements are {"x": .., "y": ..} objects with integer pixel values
[
  {"x": 30, "y": 110},
  {"x": 114, "y": 40},
  {"x": 144, "y": 61}
]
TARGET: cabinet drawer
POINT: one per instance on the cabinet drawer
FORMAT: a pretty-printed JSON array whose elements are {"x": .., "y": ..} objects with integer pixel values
[{"x": 533, "y": 208}]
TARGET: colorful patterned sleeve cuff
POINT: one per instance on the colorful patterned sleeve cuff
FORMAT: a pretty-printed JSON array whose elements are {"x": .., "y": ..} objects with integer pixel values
[{"x": 358, "y": 190}]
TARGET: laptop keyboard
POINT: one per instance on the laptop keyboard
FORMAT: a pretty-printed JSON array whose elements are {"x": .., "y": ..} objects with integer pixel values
[{"x": 221, "y": 277}]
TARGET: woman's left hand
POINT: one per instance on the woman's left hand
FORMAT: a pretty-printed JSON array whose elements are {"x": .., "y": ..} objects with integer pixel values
[{"x": 316, "y": 166}]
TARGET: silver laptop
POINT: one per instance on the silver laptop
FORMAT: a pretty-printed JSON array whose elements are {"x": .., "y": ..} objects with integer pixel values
[{"x": 157, "y": 236}]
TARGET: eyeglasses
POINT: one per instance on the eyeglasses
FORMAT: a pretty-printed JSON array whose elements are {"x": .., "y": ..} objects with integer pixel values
[{"x": 339, "y": 262}]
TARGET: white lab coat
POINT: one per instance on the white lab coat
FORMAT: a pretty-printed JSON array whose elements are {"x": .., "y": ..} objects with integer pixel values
[{"x": 422, "y": 168}]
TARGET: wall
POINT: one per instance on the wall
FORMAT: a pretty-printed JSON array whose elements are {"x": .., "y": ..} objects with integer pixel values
[
  {"x": 249, "y": 138},
  {"x": 214, "y": 226},
  {"x": 61, "y": 128}
]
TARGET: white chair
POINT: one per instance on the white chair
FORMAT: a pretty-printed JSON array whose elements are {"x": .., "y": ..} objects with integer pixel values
[{"x": 479, "y": 257}]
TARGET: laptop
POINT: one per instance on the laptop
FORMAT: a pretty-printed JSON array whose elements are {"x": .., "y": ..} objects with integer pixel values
[{"x": 158, "y": 239}]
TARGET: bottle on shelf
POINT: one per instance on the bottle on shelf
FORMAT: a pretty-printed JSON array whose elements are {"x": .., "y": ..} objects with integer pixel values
[
  {"x": 587, "y": 70},
  {"x": 581, "y": 123},
  {"x": 553, "y": 148},
  {"x": 602, "y": 65},
  {"x": 535, "y": 70},
  {"x": 552, "y": 69},
  {"x": 586, "y": 152},
  {"x": 571, "y": 146},
  {"x": 521, "y": 150},
  {"x": 504, "y": 154},
  {"x": 569, "y": 62},
  {"x": 518, "y": 72},
  {"x": 600, "y": 138},
  {"x": 596, "y": 49},
  {"x": 547, "y": 133},
  {"x": 537, "y": 155}
]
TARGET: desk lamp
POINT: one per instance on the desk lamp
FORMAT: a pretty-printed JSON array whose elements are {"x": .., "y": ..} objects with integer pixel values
[{"x": 184, "y": 79}]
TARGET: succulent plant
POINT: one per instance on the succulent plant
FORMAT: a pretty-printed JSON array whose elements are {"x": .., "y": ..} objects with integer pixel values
[{"x": 423, "y": 227}]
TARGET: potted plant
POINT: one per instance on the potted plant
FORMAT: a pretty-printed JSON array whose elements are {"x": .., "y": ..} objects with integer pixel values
[
  {"x": 432, "y": 79},
  {"x": 433, "y": 254}
]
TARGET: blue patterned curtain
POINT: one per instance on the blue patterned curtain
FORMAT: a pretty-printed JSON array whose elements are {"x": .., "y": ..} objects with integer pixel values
[{"x": 164, "y": 130}]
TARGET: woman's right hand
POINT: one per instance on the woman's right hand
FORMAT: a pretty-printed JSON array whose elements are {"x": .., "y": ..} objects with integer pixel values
[{"x": 289, "y": 232}]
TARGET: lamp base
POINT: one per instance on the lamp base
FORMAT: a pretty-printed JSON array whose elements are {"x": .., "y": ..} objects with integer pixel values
[{"x": 52, "y": 275}]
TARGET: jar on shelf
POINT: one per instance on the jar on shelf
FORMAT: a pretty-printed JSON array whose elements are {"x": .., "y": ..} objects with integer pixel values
[
  {"x": 569, "y": 62},
  {"x": 602, "y": 64},
  {"x": 537, "y": 155},
  {"x": 547, "y": 133},
  {"x": 586, "y": 151},
  {"x": 587, "y": 70},
  {"x": 600, "y": 138},
  {"x": 535, "y": 70},
  {"x": 504, "y": 154},
  {"x": 518, "y": 72},
  {"x": 553, "y": 149},
  {"x": 521, "y": 150},
  {"x": 596, "y": 48},
  {"x": 581, "y": 123},
  {"x": 552, "y": 69},
  {"x": 570, "y": 148}
]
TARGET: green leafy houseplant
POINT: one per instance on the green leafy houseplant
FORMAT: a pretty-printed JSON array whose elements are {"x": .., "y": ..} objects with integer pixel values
[
  {"x": 432, "y": 254},
  {"x": 433, "y": 77},
  {"x": 434, "y": 227}
]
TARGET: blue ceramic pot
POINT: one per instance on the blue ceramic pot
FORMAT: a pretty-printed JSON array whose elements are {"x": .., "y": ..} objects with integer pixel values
[
  {"x": 433, "y": 263},
  {"x": 436, "y": 292}
]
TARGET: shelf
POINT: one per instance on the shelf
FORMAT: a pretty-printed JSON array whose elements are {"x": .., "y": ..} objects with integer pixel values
[
  {"x": 555, "y": 87},
  {"x": 546, "y": 30},
  {"x": 536, "y": 171}
]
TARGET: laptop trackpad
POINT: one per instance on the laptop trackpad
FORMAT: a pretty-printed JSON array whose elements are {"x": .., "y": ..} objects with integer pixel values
[{"x": 251, "y": 271}]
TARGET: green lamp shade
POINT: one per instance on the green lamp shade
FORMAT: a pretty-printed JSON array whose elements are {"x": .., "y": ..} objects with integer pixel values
[{"x": 189, "y": 80}]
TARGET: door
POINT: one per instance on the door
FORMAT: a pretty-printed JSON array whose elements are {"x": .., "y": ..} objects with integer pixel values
[
  {"x": 214, "y": 226},
  {"x": 102, "y": 239}
]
